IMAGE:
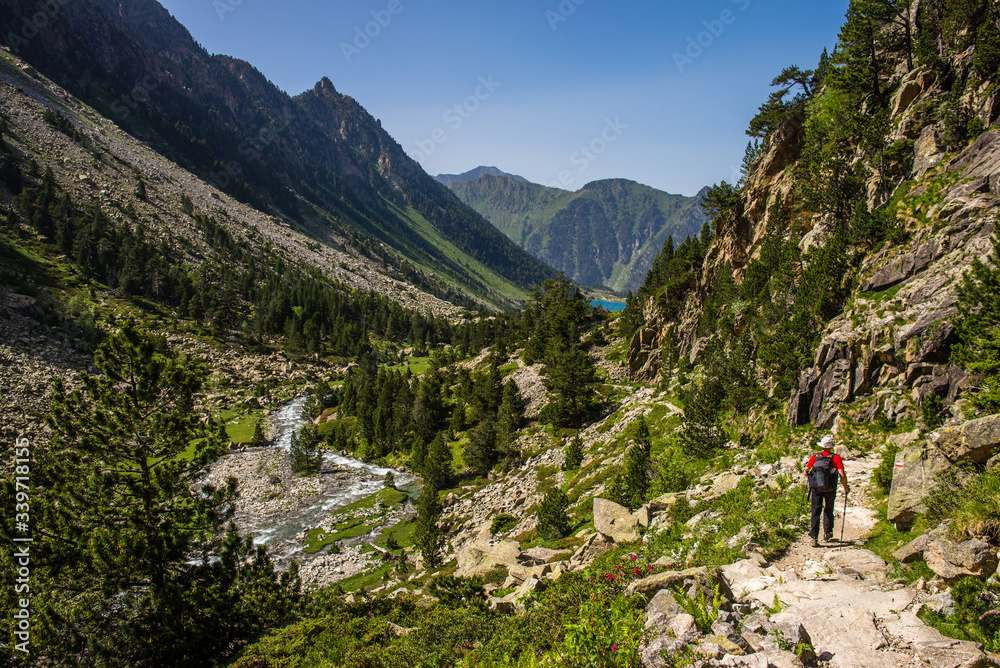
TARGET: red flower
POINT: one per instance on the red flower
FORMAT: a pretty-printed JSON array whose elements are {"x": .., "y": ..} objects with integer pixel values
[
  {"x": 614, "y": 648},
  {"x": 637, "y": 570}
]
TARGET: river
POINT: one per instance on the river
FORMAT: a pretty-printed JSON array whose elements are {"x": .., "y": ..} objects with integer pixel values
[{"x": 275, "y": 506}]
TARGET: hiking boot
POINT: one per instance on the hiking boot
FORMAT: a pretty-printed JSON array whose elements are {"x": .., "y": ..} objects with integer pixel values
[
  {"x": 827, "y": 537},
  {"x": 815, "y": 542}
]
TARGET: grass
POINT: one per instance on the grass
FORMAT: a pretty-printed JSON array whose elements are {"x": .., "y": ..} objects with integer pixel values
[
  {"x": 317, "y": 539},
  {"x": 416, "y": 365},
  {"x": 241, "y": 430}
]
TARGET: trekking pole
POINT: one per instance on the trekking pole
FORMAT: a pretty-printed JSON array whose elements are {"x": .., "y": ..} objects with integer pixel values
[
  {"x": 805, "y": 488},
  {"x": 843, "y": 522}
]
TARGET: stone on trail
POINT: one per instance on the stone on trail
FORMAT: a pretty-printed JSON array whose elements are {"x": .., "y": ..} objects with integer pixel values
[
  {"x": 848, "y": 560},
  {"x": 615, "y": 522}
]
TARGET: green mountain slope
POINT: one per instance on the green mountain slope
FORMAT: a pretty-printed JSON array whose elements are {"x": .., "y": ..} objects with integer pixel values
[
  {"x": 607, "y": 233},
  {"x": 318, "y": 160}
]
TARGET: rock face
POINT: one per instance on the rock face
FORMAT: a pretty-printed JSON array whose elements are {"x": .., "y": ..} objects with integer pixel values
[
  {"x": 615, "y": 522},
  {"x": 913, "y": 477}
]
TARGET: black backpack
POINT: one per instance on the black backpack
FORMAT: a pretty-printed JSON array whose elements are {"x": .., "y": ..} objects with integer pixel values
[{"x": 823, "y": 477}]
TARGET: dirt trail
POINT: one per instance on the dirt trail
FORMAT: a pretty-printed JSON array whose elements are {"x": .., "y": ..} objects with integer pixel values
[{"x": 860, "y": 517}]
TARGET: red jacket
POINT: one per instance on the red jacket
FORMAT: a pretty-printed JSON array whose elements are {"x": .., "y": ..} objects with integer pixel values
[{"x": 838, "y": 463}]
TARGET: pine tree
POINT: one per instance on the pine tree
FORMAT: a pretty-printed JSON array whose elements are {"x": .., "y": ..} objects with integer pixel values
[
  {"x": 573, "y": 455},
  {"x": 437, "y": 464},
  {"x": 569, "y": 378},
  {"x": 116, "y": 521},
  {"x": 304, "y": 451},
  {"x": 553, "y": 520},
  {"x": 259, "y": 438},
  {"x": 428, "y": 535},
  {"x": 632, "y": 484},
  {"x": 481, "y": 450},
  {"x": 509, "y": 419},
  {"x": 978, "y": 329},
  {"x": 703, "y": 434}
]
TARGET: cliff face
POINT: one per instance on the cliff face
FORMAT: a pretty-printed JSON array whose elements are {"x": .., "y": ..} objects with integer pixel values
[{"x": 889, "y": 346}]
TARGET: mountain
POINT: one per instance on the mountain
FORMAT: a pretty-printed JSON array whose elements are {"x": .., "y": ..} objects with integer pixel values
[
  {"x": 473, "y": 174},
  {"x": 607, "y": 233},
  {"x": 317, "y": 159}
]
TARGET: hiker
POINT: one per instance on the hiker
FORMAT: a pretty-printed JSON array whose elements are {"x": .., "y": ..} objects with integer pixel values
[{"x": 822, "y": 472}]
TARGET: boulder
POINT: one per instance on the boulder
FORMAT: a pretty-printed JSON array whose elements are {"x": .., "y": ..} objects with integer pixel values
[
  {"x": 913, "y": 477},
  {"x": 927, "y": 152},
  {"x": 952, "y": 560},
  {"x": 683, "y": 627},
  {"x": 659, "y": 651},
  {"x": 724, "y": 483},
  {"x": 708, "y": 579},
  {"x": 662, "y": 503},
  {"x": 904, "y": 96},
  {"x": 950, "y": 653},
  {"x": 914, "y": 550},
  {"x": 615, "y": 522},
  {"x": 976, "y": 441},
  {"x": 661, "y": 610},
  {"x": 537, "y": 556},
  {"x": 643, "y": 516},
  {"x": 592, "y": 547},
  {"x": 478, "y": 557}
]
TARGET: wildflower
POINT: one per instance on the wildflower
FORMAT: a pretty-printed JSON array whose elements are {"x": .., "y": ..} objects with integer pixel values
[
  {"x": 637, "y": 571},
  {"x": 634, "y": 557},
  {"x": 614, "y": 647}
]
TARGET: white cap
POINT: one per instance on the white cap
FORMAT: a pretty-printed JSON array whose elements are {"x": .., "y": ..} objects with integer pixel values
[{"x": 826, "y": 442}]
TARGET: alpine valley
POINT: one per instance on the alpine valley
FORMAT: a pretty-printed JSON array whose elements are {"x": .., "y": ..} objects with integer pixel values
[{"x": 272, "y": 396}]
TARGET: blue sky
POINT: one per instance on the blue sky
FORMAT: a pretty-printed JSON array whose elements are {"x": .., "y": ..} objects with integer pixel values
[{"x": 562, "y": 92}]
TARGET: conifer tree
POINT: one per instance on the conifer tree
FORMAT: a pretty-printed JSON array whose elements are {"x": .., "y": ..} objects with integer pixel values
[
  {"x": 259, "y": 438},
  {"x": 437, "y": 464},
  {"x": 631, "y": 485},
  {"x": 569, "y": 378},
  {"x": 703, "y": 434},
  {"x": 978, "y": 327},
  {"x": 116, "y": 519},
  {"x": 509, "y": 419},
  {"x": 428, "y": 535},
  {"x": 573, "y": 455},
  {"x": 481, "y": 450},
  {"x": 553, "y": 520},
  {"x": 304, "y": 451}
]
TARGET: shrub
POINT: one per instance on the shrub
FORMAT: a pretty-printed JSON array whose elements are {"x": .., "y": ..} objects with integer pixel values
[
  {"x": 975, "y": 616},
  {"x": 503, "y": 522},
  {"x": 883, "y": 474}
]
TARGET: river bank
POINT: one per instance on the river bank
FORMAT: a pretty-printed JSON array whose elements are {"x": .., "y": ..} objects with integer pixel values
[{"x": 279, "y": 508}]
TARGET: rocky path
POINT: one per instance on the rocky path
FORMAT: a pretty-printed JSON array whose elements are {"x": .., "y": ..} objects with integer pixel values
[
  {"x": 839, "y": 599},
  {"x": 860, "y": 517}
]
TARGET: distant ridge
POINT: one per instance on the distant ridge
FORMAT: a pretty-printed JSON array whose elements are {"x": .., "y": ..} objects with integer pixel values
[
  {"x": 606, "y": 234},
  {"x": 474, "y": 174}
]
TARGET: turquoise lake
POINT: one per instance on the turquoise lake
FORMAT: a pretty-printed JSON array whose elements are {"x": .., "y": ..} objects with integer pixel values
[{"x": 608, "y": 306}]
